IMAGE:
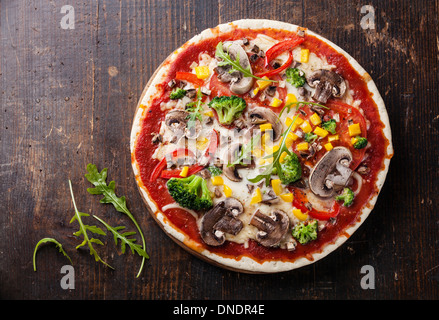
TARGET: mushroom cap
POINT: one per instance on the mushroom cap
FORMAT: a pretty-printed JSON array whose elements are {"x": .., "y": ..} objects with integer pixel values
[
  {"x": 239, "y": 84},
  {"x": 260, "y": 115},
  {"x": 221, "y": 219},
  {"x": 271, "y": 228},
  {"x": 327, "y": 84},
  {"x": 338, "y": 159},
  {"x": 177, "y": 122}
]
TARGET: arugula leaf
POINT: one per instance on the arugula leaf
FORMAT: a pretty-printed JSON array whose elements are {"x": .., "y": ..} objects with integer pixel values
[
  {"x": 274, "y": 166},
  {"x": 101, "y": 187},
  {"x": 194, "y": 110},
  {"x": 45, "y": 240},
  {"x": 83, "y": 231},
  {"x": 123, "y": 237},
  {"x": 236, "y": 66},
  {"x": 245, "y": 151}
]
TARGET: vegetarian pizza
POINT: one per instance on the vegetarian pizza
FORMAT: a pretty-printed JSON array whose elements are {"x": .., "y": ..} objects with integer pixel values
[{"x": 260, "y": 146}]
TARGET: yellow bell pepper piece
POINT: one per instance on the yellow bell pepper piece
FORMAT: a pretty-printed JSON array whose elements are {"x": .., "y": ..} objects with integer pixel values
[
  {"x": 299, "y": 215},
  {"x": 265, "y": 127},
  {"x": 287, "y": 197},
  {"x": 257, "y": 197},
  {"x": 334, "y": 137},
  {"x": 276, "y": 184},
  {"x": 184, "y": 172},
  {"x": 304, "y": 55},
  {"x": 202, "y": 72},
  {"x": 217, "y": 181},
  {"x": 262, "y": 84},
  {"x": 282, "y": 157},
  {"x": 291, "y": 98},
  {"x": 275, "y": 102},
  {"x": 303, "y": 146},
  {"x": 315, "y": 119},
  {"x": 306, "y": 127},
  {"x": 329, "y": 146},
  {"x": 320, "y": 132},
  {"x": 354, "y": 129},
  {"x": 227, "y": 191}
]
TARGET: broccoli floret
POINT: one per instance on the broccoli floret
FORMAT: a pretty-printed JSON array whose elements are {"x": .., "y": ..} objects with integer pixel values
[
  {"x": 329, "y": 126},
  {"x": 190, "y": 192},
  {"x": 360, "y": 143},
  {"x": 215, "y": 171},
  {"x": 295, "y": 76},
  {"x": 347, "y": 196},
  {"x": 228, "y": 108},
  {"x": 305, "y": 231},
  {"x": 310, "y": 137},
  {"x": 290, "y": 169},
  {"x": 177, "y": 93}
]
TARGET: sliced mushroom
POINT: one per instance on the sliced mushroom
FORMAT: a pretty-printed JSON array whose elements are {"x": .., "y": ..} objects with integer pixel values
[
  {"x": 221, "y": 219},
  {"x": 271, "y": 228},
  {"x": 270, "y": 198},
  {"x": 260, "y": 115},
  {"x": 231, "y": 171},
  {"x": 332, "y": 170},
  {"x": 327, "y": 84},
  {"x": 177, "y": 122},
  {"x": 239, "y": 83}
]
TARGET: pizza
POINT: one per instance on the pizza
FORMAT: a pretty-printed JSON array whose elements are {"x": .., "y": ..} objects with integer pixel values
[{"x": 260, "y": 146}]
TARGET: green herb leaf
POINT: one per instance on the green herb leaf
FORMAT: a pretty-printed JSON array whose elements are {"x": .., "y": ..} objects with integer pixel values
[
  {"x": 108, "y": 191},
  {"x": 83, "y": 231},
  {"x": 124, "y": 240},
  {"x": 245, "y": 151},
  {"x": 46, "y": 240},
  {"x": 236, "y": 66}
]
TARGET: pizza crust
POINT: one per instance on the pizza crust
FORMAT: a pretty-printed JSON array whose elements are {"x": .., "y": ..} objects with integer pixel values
[{"x": 246, "y": 264}]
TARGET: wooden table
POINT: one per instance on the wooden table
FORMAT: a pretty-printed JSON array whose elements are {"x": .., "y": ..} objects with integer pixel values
[{"x": 68, "y": 98}]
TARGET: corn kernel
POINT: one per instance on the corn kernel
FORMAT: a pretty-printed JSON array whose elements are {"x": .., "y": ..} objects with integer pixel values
[
  {"x": 303, "y": 146},
  {"x": 184, "y": 172},
  {"x": 227, "y": 191},
  {"x": 306, "y": 127},
  {"x": 217, "y": 181},
  {"x": 276, "y": 184},
  {"x": 329, "y": 146},
  {"x": 275, "y": 102},
  {"x": 333, "y": 138},
  {"x": 287, "y": 197},
  {"x": 262, "y": 84},
  {"x": 304, "y": 55},
  {"x": 257, "y": 197},
  {"x": 320, "y": 132},
  {"x": 265, "y": 127},
  {"x": 299, "y": 215},
  {"x": 291, "y": 98},
  {"x": 315, "y": 119},
  {"x": 202, "y": 72},
  {"x": 354, "y": 129}
]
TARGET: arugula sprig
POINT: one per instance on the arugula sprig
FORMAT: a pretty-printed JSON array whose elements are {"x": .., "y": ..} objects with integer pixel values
[
  {"x": 123, "y": 237},
  {"x": 194, "y": 110},
  {"x": 274, "y": 166},
  {"x": 245, "y": 152},
  {"x": 298, "y": 105},
  {"x": 83, "y": 229},
  {"x": 48, "y": 240},
  {"x": 108, "y": 191},
  {"x": 226, "y": 60}
]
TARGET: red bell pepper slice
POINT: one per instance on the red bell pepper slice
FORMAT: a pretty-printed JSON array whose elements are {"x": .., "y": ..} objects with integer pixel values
[
  {"x": 299, "y": 202},
  {"x": 278, "y": 70},
  {"x": 213, "y": 143},
  {"x": 158, "y": 170},
  {"x": 188, "y": 76},
  {"x": 281, "y": 47},
  {"x": 168, "y": 174}
]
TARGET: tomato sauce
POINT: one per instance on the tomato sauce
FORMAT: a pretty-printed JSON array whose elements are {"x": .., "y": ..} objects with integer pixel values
[{"x": 184, "y": 221}]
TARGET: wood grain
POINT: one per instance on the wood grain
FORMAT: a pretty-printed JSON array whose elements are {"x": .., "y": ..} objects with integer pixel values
[{"x": 68, "y": 97}]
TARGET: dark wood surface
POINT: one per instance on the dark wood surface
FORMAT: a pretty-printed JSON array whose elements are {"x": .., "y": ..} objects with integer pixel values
[{"x": 68, "y": 98}]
